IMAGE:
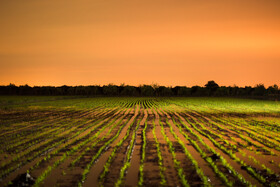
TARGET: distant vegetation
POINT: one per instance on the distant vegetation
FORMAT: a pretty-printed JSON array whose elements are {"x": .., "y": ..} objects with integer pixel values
[{"x": 210, "y": 89}]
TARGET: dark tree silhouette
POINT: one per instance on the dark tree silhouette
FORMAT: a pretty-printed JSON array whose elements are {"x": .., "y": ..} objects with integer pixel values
[
  {"x": 211, "y": 87},
  {"x": 198, "y": 91},
  {"x": 222, "y": 91},
  {"x": 184, "y": 91},
  {"x": 163, "y": 91},
  {"x": 25, "y": 90},
  {"x": 111, "y": 90},
  {"x": 175, "y": 90},
  {"x": 273, "y": 89},
  {"x": 147, "y": 90},
  {"x": 259, "y": 90},
  {"x": 129, "y": 91}
]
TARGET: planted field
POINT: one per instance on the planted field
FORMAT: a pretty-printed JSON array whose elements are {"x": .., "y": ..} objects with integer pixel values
[{"x": 63, "y": 141}]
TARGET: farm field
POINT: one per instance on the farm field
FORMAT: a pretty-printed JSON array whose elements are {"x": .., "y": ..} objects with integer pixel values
[{"x": 139, "y": 141}]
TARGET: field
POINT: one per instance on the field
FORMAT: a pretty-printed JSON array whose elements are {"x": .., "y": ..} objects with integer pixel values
[{"x": 70, "y": 141}]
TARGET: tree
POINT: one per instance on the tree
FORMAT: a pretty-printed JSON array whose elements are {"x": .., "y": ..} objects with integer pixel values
[
  {"x": 259, "y": 90},
  {"x": 25, "y": 90},
  {"x": 211, "y": 86},
  {"x": 221, "y": 91},
  {"x": 175, "y": 90},
  {"x": 12, "y": 89},
  {"x": 273, "y": 89},
  {"x": 147, "y": 90},
  {"x": 198, "y": 91},
  {"x": 129, "y": 91},
  {"x": 163, "y": 91},
  {"x": 110, "y": 90},
  {"x": 95, "y": 90},
  {"x": 184, "y": 91}
]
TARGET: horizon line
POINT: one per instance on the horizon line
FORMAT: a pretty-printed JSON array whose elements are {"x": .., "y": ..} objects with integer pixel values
[{"x": 139, "y": 85}]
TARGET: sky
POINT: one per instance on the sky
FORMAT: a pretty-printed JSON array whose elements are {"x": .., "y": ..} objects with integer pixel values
[{"x": 168, "y": 42}]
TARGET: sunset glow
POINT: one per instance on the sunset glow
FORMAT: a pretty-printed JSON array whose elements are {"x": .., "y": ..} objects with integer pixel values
[{"x": 171, "y": 43}]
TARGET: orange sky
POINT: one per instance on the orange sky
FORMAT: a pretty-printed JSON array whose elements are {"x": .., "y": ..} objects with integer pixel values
[{"x": 169, "y": 42}]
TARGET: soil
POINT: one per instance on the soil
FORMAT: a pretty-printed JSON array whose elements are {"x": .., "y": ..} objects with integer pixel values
[{"x": 32, "y": 141}]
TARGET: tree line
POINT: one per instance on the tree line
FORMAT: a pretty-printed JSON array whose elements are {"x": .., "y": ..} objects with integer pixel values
[{"x": 209, "y": 89}]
